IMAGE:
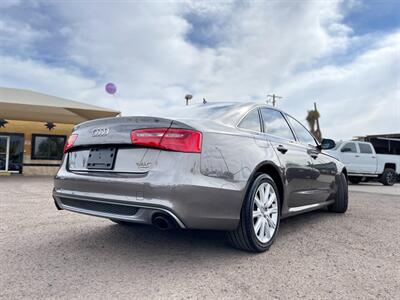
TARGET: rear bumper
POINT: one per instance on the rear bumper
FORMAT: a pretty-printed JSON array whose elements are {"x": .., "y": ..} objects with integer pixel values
[
  {"x": 117, "y": 210},
  {"x": 194, "y": 201}
]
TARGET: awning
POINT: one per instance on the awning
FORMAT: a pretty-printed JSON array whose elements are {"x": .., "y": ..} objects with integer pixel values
[{"x": 17, "y": 104}]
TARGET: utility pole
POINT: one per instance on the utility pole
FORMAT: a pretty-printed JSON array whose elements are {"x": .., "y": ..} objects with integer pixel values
[{"x": 274, "y": 98}]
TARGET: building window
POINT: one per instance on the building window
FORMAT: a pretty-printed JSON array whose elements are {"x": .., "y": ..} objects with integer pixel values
[{"x": 50, "y": 147}]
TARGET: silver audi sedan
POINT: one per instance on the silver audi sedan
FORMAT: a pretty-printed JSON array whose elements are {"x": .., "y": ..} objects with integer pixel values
[{"x": 237, "y": 167}]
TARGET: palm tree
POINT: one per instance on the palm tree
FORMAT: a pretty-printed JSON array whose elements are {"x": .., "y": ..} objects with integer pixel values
[{"x": 312, "y": 119}]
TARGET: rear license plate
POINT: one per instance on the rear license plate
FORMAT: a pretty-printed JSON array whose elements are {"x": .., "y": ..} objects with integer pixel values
[{"x": 101, "y": 158}]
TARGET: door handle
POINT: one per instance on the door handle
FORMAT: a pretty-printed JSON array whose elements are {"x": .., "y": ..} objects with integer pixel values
[
  {"x": 282, "y": 149},
  {"x": 357, "y": 155}
]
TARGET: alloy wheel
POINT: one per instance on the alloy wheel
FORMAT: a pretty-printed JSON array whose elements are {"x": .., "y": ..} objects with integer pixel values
[
  {"x": 265, "y": 212},
  {"x": 390, "y": 178}
]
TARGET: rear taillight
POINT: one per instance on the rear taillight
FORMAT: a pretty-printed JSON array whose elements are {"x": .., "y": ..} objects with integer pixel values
[
  {"x": 181, "y": 140},
  {"x": 71, "y": 140}
]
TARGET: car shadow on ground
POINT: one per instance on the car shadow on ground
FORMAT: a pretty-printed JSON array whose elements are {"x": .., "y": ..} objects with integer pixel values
[{"x": 107, "y": 239}]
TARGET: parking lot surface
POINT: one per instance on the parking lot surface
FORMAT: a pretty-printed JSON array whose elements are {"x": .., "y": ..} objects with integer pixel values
[
  {"x": 47, "y": 253},
  {"x": 375, "y": 188}
]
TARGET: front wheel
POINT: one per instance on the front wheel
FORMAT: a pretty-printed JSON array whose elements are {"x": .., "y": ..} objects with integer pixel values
[
  {"x": 342, "y": 196},
  {"x": 260, "y": 217},
  {"x": 388, "y": 177}
]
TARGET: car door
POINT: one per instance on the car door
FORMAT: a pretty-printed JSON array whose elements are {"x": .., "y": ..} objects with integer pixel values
[
  {"x": 367, "y": 161},
  {"x": 323, "y": 181},
  {"x": 349, "y": 156},
  {"x": 293, "y": 157}
]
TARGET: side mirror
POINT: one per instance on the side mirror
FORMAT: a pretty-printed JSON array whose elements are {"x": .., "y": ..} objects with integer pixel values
[{"x": 327, "y": 144}]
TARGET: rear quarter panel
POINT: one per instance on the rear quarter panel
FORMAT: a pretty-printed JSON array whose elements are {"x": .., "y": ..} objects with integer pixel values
[{"x": 230, "y": 158}]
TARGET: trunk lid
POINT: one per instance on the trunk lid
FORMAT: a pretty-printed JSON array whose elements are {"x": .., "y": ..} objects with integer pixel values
[
  {"x": 118, "y": 130},
  {"x": 108, "y": 142}
]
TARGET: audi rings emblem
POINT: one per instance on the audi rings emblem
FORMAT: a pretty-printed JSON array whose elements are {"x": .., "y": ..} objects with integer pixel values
[{"x": 100, "y": 131}]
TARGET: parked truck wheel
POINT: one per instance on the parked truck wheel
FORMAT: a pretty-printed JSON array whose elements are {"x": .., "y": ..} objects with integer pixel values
[
  {"x": 355, "y": 179},
  {"x": 388, "y": 177}
]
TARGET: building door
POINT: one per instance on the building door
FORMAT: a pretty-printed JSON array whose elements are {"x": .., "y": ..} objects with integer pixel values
[{"x": 4, "y": 152}]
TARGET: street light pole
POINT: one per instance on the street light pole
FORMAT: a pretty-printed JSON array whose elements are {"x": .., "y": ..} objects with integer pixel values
[{"x": 188, "y": 97}]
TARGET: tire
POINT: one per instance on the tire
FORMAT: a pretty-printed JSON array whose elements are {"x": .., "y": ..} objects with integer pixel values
[
  {"x": 244, "y": 236},
  {"x": 388, "y": 177},
  {"x": 355, "y": 179},
  {"x": 342, "y": 196},
  {"x": 123, "y": 223}
]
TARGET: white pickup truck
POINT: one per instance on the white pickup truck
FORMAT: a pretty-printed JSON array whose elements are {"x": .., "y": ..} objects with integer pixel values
[{"x": 363, "y": 163}]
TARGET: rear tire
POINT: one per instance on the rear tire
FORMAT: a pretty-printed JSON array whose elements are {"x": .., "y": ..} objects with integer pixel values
[
  {"x": 388, "y": 177},
  {"x": 355, "y": 179},
  {"x": 264, "y": 215},
  {"x": 342, "y": 196}
]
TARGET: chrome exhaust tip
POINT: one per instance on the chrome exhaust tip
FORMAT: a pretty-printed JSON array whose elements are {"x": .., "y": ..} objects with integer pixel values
[{"x": 163, "y": 222}]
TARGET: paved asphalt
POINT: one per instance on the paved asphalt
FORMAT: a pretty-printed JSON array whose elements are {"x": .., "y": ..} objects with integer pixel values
[{"x": 45, "y": 253}]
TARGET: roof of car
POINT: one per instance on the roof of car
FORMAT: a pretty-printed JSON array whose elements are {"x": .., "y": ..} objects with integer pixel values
[
  {"x": 232, "y": 104},
  {"x": 226, "y": 112}
]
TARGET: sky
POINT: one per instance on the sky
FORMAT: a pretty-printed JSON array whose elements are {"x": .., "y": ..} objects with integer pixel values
[{"x": 343, "y": 55}]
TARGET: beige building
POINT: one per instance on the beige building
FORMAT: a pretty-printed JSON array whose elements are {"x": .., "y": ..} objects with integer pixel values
[{"x": 34, "y": 128}]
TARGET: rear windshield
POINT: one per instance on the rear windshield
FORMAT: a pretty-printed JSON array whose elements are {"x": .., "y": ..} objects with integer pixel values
[
  {"x": 198, "y": 112},
  {"x": 225, "y": 113}
]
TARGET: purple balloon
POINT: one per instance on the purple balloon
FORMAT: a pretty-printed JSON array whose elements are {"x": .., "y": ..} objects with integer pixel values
[{"x": 111, "y": 88}]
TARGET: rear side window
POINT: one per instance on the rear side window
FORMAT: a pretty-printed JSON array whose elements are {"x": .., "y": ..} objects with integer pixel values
[
  {"x": 275, "y": 124},
  {"x": 302, "y": 133},
  {"x": 365, "y": 148},
  {"x": 349, "y": 147},
  {"x": 251, "y": 121}
]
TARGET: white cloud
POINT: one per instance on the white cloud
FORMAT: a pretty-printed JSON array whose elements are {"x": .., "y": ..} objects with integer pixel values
[
  {"x": 18, "y": 35},
  {"x": 8, "y": 3},
  {"x": 262, "y": 47},
  {"x": 361, "y": 97},
  {"x": 16, "y": 72}
]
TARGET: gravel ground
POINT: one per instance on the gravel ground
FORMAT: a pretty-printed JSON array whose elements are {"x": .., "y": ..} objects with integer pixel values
[
  {"x": 375, "y": 188},
  {"x": 47, "y": 253}
]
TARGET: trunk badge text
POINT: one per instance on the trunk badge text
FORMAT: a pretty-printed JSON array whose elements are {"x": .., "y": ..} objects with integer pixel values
[
  {"x": 100, "y": 132},
  {"x": 143, "y": 165}
]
